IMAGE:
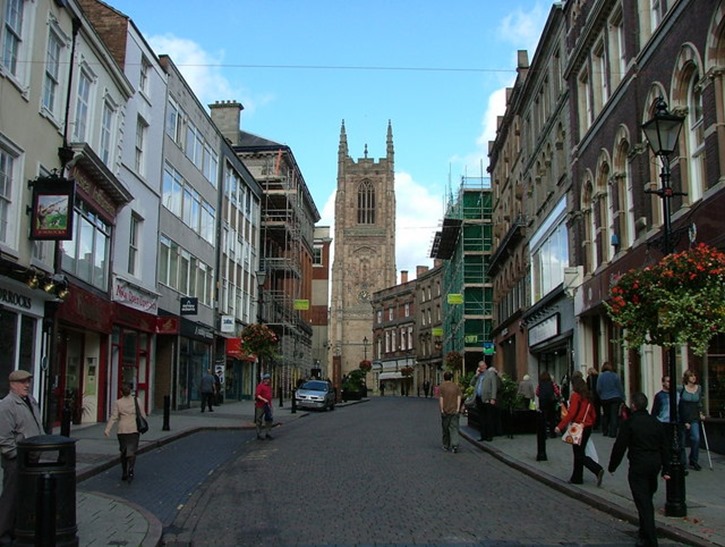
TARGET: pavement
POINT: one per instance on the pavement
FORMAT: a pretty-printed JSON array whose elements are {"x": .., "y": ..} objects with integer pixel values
[{"x": 107, "y": 520}]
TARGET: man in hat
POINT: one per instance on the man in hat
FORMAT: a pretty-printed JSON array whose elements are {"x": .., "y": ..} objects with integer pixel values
[
  {"x": 19, "y": 419},
  {"x": 263, "y": 407}
]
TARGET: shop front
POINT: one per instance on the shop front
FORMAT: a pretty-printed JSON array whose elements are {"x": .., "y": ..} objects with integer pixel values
[
  {"x": 240, "y": 371},
  {"x": 21, "y": 339},
  {"x": 79, "y": 372}
]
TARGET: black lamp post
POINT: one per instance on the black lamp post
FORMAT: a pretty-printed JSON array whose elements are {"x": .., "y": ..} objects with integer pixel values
[
  {"x": 662, "y": 133},
  {"x": 365, "y": 347}
]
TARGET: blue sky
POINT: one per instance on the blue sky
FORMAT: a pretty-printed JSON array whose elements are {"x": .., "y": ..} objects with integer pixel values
[{"x": 437, "y": 70}]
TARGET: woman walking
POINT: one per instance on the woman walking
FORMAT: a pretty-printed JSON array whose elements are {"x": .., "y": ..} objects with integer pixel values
[
  {"x": 690, "y": 412},
  {"x": 124, "y": 412},
  {"x": 581, "y": 411}
]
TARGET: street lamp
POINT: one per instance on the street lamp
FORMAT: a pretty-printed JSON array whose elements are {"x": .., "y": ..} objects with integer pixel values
[
  {"x": 365, "y": 347},
  {"x": 261, "y": 276},
  {"x": 662, "y": 133}
]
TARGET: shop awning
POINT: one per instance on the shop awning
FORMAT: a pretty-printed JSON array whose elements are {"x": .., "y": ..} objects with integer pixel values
[{"x": 390, "y": 376}]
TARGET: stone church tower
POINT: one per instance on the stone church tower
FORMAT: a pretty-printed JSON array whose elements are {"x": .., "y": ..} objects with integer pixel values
[{"x": 364, "y": 243}]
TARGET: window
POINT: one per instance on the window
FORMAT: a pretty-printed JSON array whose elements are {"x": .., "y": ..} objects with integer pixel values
[
  {"x": 617, "y": 54},
  {"x": 86, "y": 255},
  {"x": 141, "y": 130},
  {"x": 599, "y": 78},
  {"x": 584, "y": 103},
  {"x": 379, "y": 316},
  {"x": 51, "y": 80},
  {"x": 143, "y": 79},
  {"x": 208, "y": 222},
  {"x": 171, "y": 191},
  {"x": 133, "y": 243},
  {"x": 82, "y": 107},
  {"x": 317, "y": 255},
  {"x": 657, "y": 13},
  {"x": 390, "y": 314},
  {"x": 695, "y": 140},
  {"x": 7, "y": 174},
  {"x": 173, "y": 122},
  {"x": 191, "y": 208},
  {"x": 407, "y": 310},
  {"x": 366, "y": 203},
  {"x": 106, "y": 132},
  {"x": 13, "y": 36},
  {"x": 549, "y": 253}
]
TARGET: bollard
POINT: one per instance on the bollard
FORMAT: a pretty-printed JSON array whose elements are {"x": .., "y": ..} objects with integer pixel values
[
  {"x": 66, "y": 418},
  {"x": 279, "y": 390},
  {"x": 167, "y": 413},
  {"x": 294, "y": 403},
  {"x": 45, "y": 525}
]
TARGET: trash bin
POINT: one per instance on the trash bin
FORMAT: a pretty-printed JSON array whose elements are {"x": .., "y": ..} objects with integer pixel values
[{"x": 46, "y": 510}]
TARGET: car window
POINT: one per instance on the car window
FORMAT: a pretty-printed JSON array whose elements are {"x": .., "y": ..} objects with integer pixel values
[{"x": 315, "y": 386}]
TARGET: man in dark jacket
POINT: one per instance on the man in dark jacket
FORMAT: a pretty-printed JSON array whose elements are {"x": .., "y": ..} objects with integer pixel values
[{"x": 645, "y": 439}]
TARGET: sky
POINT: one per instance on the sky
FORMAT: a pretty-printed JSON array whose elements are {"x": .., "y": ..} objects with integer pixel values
[{"x": 437, "y": 70}]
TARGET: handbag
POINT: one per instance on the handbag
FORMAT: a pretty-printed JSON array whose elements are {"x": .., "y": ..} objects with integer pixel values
[
  {"x": 268, "y": 413},
  {"x": 574, "y": 431},
  {"x": 141, "y": 424}
]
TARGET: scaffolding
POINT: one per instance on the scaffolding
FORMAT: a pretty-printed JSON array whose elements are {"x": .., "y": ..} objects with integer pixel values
[{"x": 466, "y": 241}]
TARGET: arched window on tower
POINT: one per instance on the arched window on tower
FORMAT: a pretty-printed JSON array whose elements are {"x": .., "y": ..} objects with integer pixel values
[{"x": 366, "y": 203}]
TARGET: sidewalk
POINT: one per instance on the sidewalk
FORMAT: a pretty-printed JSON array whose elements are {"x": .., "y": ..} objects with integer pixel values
[
  {"x": 705, "y": 520},
  {"x": 104, "y": 520}
]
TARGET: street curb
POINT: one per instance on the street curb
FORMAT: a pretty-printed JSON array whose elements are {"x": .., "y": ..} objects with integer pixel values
[{"x": 583, "y": 495}]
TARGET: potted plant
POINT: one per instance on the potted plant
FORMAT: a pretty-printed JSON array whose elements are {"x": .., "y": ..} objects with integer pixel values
[
  {"x": 679, "y": 300},
  {"x": 365, "y": 365},
  {"x": 353, "y": 385},
  {"x": 260, "y": 340}
]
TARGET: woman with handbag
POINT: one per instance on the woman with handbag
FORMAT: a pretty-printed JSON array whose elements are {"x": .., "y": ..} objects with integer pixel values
[
  {"x": 578, "y": 424},
  {"x": 125, "y": 413}
]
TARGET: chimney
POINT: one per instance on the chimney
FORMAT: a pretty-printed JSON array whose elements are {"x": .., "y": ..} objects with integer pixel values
[
  {"x": 420, "y": 270},
  {"x": 226, "y": 115},
  {"x": 403, "y": 276}
]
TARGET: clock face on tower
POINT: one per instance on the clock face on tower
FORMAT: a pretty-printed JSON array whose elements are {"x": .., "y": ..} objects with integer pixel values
[{"x": 363, "y": 296}]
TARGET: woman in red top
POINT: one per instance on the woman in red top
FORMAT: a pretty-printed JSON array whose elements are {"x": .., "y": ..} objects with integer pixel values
[{"x": 581, "y": 410}]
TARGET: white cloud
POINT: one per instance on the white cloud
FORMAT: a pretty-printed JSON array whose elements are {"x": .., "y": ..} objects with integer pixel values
[
  {"x": 203, "y": 71},
  {"x": 523, "y": 28}
]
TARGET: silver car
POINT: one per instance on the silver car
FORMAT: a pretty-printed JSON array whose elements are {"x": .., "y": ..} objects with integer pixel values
[{"x": 316, "y": 394}]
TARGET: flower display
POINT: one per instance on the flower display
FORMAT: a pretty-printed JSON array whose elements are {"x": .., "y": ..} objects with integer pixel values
[
  {"x": 453, "y": 360},
  {"x": 679, "y": 300},
  {"x": 259, "y": 339},
  {"x": 365, "y": 365},
  {"x": 406, "y": 371}
]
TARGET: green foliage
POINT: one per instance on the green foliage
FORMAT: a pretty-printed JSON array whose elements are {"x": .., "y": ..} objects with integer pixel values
[
  {"x": 508, "y": 396},
  {"x": 259, "y": 339},
  {"x": 354, "y": 381},
  {"x": 680, "y": 300}
]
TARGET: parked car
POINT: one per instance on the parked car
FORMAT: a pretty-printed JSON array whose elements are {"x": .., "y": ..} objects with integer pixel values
[{"x": 316, "y": 394}]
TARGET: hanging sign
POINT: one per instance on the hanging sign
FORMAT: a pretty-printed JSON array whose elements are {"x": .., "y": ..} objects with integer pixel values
[{"x": 52, "y": 210}]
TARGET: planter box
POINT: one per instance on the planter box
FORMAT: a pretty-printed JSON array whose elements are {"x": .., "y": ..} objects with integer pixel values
[
  {"x": 516, "y": 422},
  {"x": 351, "y": 395}
]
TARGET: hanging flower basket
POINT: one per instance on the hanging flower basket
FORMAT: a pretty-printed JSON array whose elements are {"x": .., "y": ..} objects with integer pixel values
[
  {"x": 406, "y": 371},
  {"x": 679, "y": 300},
  {"x": 259, "y": 339},
  {"x": 453, "y": 360},
  {"x": 365, "y": 365}
]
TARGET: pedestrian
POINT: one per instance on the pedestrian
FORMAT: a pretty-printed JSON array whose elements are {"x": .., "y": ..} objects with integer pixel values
[
  {"x": 124, "y": 412},
  {"x": 207, "y": 388},
  {"x": 382, "y": 389},
  {"x": 217, "y": 389},
  {"x": 527, "y": 391},
  {"x": 644, "y": 439},
  {"x": 450, "y": 405},
  {"x": 581, "y": 411},
  {"x": 486, "y": 387},
  {"x": 548, "y": 393},
  {"x": 426, "y": 388},
  {"x": 690, "y": 414},
  {"x": 20, "y": 419},
  {"x": 263, "y": 407},
  {"x": 661, "y": 404},
  {"x": 592, "y": 377},
  {"x": 611, "y": 393}
]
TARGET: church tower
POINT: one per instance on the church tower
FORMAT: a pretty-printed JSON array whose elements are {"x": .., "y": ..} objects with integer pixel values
[{"x": 364, "y": 243}]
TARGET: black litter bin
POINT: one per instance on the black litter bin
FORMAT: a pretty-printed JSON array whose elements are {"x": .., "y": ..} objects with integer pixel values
[{"x": 46, "y": 510}]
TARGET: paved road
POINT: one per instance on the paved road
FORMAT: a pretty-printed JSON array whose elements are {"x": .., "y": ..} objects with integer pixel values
[{"x": 366, "y": 474}]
